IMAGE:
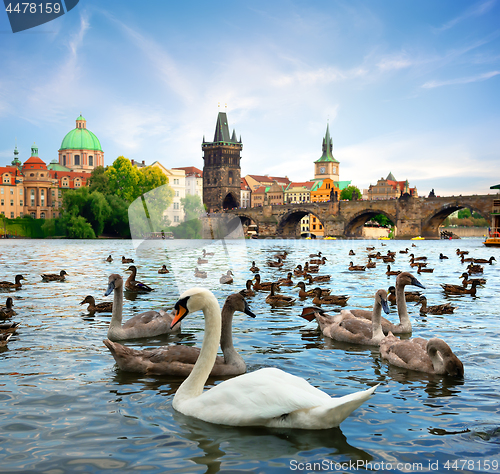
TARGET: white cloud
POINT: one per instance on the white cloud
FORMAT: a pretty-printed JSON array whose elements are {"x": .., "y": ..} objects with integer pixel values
[
  {"x": 476, "y": 10},
  {"x": 461, "y": 80}
]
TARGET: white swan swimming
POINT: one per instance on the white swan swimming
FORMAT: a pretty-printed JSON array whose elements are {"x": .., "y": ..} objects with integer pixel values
[
  {"x": 404, "y": 325},
  {"x": 147, "y": 324},
  {"x": 266, "y": 397},
  {"x": 179, "y": 360}
]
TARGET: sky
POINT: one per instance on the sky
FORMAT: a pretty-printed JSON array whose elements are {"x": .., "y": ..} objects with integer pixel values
[{"x": 408, "y": 87}]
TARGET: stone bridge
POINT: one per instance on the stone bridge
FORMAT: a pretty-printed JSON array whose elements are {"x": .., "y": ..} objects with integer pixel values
[{"x": 412, "y": 216}]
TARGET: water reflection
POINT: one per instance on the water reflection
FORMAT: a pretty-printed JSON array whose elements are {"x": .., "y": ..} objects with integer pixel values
[{"x": 225, "y": 446}]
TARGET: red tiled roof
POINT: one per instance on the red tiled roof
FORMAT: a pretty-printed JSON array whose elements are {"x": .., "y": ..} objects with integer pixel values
[
  {"x": 191, "y": 171},
  {"x": 244, "y": 185},
  {"x": 269, "y": 179},
  {"x": 35, "y": 163},
  {"x": 305, "y": 184},
  {"x": 260, "y": 189},
  {"x": 69, "y": 174}
]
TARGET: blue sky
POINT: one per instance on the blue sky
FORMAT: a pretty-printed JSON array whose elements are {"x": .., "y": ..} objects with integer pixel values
[{"x": 410, "y": 87}]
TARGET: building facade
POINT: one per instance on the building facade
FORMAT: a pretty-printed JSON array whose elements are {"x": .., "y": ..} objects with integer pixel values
[
  {"x": 80, "y": 149},
  {"x": 389, "y": 188},
  {"x": 177, "y": 181},
  {"x": 246, "y": 194},
  {"x": 221, "y": 168},
  {"x": 194, "y": 181}
]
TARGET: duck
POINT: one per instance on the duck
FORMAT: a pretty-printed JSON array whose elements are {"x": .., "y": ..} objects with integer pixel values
[
  {"x": 319, "y": 298},
  {"x": 390, "y": 272},
  {"x": 446, "y": 308},
  {"x": 92, "y": 307},
  {"x": 460, "y": 289},
  {"x": 179, "y": 360},
  {"x": 54, "y": 276},
  {"x": 442, "y": 257},
  {"x": 298, "y": 271},
  {"x": 483, "y": 260},
  {"x": 388, "y": 259},
  {"x": 132, "y": 284},
  {"x": 474, "y": 269},
  {"x": 405, "y": 250},
  {"x": 109, "y": 259},
  {"x": 409, "y": 295},
  {"x": 9, "y": 327},
  {"x": 127, "y": 260},
  {"x": 317, "y": 279},
  {"x": 267, "y": 397},
  {"x": 374, "y": 255},
  {"x": 370, "y": 264},
  {"x": 433, "y": 356},
  {"x": 4, "y": 338},
  {"x": 281, "y": 255},
  {"x": 286, "y": 281},
  {"x": 277, "y": 264},
  {"x": 275, "y": 299},
  {"x": 254, "y": 268},
  {"x": 314, "y": 255},
  {"x": 460, "y": 252},
  {"x": 468, "y": 281},
  {"x": 199, "y": 273},
  {"x": 404, "y": 325},
  {"x": 309, "y": 293},
  {"x": 463, "y": 259},
  {"x": 356, "y": 268},
  {"x": 417, "y": 264},
  {"x": 261, "y": 285},
  {"x": 318, "y": 261},
  {"x": 348, "y": 328},
  {"x": 7, "y": 311},
  {"x": 163, "y": 270},
  {"x": 17, "y": 282},
  {"x": 351, "y": 252},
  {"x": 207, "y": 254},
  {"x": 413, "y": 245},
  {"x": 202, "y": 261},
  {"x": 247, "y": 292},
  {"x": 370, "y": 248},
  {"x": 311, "y": 268},
  {"x": 147, "y": 324},
  {"x": 417, "y": 259},
  {"x": 422, "y": 269},
  {"x": 227, "y": 278}
]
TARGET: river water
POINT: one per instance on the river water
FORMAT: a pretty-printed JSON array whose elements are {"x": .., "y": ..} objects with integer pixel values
[{"x": 66, "y": 407}]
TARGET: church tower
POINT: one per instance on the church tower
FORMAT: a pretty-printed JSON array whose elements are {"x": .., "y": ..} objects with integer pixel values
[
  {"x": 221, "y": 168},
  {"x": 327, "y": 166}
]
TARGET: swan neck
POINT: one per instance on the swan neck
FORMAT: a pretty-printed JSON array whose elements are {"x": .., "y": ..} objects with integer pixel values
[
  {"x": 117, "y": 313},
  {"x": 231, "y": 357},
  {"x": 377, "y": 332},
  {"x": 404, "y": 319},
  {"x": 193, "y": 386}
]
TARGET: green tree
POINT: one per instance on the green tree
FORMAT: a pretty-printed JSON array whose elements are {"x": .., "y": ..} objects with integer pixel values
[
  {"x": 464, "y": 213},
  {"x": 117, "y": 222},
  {"x": 99, "y": 180},
  {"x": 193, "y": 207},
  {"x": 383, "y": 220},
  {"x": 77, "y": 227},
  {"x": 123, "y": 179},
  {"x": 346, "y": 193}
]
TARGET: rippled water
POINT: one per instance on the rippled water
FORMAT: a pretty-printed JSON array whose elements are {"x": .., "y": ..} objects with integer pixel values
[{"x": 65, "y": 407}]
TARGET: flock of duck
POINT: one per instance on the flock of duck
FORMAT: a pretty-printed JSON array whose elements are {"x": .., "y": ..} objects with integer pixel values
[{"x": 269, "y": 396}]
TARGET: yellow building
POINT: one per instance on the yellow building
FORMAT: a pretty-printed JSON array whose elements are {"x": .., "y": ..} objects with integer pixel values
[{"x": 325, "y": 191}]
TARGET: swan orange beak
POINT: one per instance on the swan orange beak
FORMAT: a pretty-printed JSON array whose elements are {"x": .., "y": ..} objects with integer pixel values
[{"x": 180, "y": 312}]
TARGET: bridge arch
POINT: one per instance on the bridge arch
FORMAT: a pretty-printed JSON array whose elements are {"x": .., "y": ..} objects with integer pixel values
[
  {"x": 354, "y": 227},
  {"x": 430, "y": 225},
  {"x": 289, "y": 223},
  {"x": 247, "y": 221}
]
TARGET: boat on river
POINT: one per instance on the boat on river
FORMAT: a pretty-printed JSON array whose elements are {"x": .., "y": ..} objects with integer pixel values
[{"x": 493, "y": 238}]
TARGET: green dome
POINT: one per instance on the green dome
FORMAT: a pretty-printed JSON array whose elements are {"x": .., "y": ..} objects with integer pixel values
[{"x": 80, "y": 139}]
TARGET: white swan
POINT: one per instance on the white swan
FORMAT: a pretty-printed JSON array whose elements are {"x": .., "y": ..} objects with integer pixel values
[
  {"x": 179, "y": 360},
  {"x": 433, "y": 356},
  {"x": 266, "y": 397},
  {"x": 347, "y": 328},
  {"x": 147, "y": 324},
  {"x": 404, "y": 325}
]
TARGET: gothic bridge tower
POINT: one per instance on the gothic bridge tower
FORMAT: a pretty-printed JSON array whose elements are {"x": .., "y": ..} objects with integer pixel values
[{"x": 221, "y": 169}]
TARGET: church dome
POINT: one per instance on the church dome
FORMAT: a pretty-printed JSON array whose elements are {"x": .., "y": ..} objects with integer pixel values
[{"x": 80, "y": 138}]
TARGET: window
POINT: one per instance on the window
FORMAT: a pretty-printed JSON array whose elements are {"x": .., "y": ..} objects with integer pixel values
[
  {"x": 53, "y": 193},
  {"x": 176, "y": 181},
  {"x": 1, "y": 190},
  {"x": 77, "y": 183},
  {"x": 20, "y": 191},
  {"x": 91, "y": 160},
  {"x": 6, "y": 179},
  {"x": 20, "y": 202},
  {"x": 53, "y": 215},
  {"x": 33, "y": 215},
  {"x": 59, "y": 193},
  {"x": 11, "y": 191},
  {"x": 176, "y": 219},
  {"x": 65, "y": 183},
  {"x": 64, "y": 160},
  {"x": 176, "y": 205},
  {"x": 176, "y": 193},
  {"x": 77, "y": 160},
  {"x": 32, "y": 197},
  {"x": 12, "y": 215},
  {"x": 42, "y": 215},
  {"x": 20, "y": 214},
  {"x": 12, "y": 202},
  {"x": 2, "y": 202},
  {"x": 42, "y": 197}
]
